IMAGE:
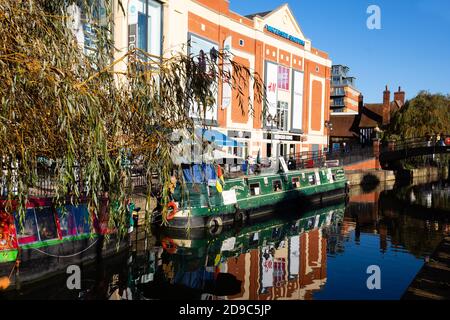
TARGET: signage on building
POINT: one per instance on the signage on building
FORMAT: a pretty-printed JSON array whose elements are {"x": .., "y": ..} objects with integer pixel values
[
  {"x": 132, "y": 24},
  {"x": 279, "y": 136},
  {"x": 239, "y": 134},
  {"x": 285, "y": 35}
]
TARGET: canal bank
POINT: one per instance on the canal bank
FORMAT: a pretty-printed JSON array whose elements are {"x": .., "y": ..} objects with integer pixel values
[
  {"x": 362, "y": 177},
  {"x": 433, "y": 280}
]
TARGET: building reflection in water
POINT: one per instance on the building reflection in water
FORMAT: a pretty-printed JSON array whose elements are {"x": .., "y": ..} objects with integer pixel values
[
  {"x": 303, "y": 257},
  {"x": 275, "y": 259}
]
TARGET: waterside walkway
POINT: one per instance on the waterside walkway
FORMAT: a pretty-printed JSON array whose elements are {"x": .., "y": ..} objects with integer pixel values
[{"x": 433, "y": 280}]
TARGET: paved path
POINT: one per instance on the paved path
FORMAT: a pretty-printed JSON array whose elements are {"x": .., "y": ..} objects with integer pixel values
[{"x": 433, "y": 280}]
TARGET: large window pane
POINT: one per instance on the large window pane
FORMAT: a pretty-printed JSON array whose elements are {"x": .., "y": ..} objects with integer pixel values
[
  {"x": 46, "y": 224},
  {"x": 29, "y": 233},
  {"x": 142, "y": 31},
  {"x": 149, "y": 26},
  {"x": 198, "y": 48},
  {"x": 282, "y": 115},
  {"x": 81, "y": 219},
  {"x": 67, "y": 221}
]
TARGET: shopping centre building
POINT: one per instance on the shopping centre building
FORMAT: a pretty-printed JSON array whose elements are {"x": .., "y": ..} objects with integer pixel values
[{"x": 272, "y": 44}]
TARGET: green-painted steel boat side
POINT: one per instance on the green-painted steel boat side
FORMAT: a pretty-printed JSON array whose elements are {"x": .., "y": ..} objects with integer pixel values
[
  {"x": 11, "y": 255},
  {"x": 201, "y": 200},
  {"x": 53, "y": 242}
]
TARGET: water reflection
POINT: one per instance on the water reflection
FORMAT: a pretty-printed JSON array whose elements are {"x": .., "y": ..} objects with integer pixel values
[
  {"x": 267, "y": 260},
  {"x": 320, "y": 254}
]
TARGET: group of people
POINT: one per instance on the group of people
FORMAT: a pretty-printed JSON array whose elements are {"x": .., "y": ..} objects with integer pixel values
[
  {"x": 438, "y": 140},
  {"x": 251, "y": 166}
]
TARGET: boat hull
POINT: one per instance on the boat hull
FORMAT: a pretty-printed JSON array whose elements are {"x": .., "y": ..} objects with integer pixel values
[
  {"x": 39, "y": 263},
  {"x": 199, "y": 218}
]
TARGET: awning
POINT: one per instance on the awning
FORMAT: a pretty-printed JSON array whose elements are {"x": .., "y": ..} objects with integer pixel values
[{"x": 218, "y": 138}]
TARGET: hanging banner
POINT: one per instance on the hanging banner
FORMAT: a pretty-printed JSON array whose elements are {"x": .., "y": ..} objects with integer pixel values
[
  {"x": 227, "y": 68},
  {"x": 297, "y": 101},
  {"x": 272, "y": 89}
]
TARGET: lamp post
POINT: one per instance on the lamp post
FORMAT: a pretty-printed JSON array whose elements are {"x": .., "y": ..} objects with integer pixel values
[
  {"x": 329, "y": 126},
  {"x": 271, "y": 120}
]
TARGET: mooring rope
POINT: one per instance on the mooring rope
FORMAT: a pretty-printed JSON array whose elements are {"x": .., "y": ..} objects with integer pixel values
[{"x": 67, "y": 256}]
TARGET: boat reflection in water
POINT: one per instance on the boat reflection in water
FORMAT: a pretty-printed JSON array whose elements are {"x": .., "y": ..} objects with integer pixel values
[{"x": 269, "y": 259}]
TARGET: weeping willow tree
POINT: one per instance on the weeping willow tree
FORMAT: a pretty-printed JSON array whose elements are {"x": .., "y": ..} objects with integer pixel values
[
  {"x": 426, "y": 115},
  {"x": 67, "y": 111}
]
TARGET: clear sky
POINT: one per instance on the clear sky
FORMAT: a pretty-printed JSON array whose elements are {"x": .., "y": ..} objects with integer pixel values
[{"x": 411, "y": 50}]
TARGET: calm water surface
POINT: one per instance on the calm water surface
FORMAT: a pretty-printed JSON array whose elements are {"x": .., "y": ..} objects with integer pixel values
[{"x": 320, "y": 254}]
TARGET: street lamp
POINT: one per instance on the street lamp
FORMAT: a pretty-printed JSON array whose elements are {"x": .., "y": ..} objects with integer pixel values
[
  {"x": 271, "y": 119},
  {"x": 329, "y": 126}
]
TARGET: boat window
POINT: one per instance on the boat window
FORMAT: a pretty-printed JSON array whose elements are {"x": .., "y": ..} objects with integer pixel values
[
  {"x": 46, "y": 223},
  {"x": 296, "y": 182},
  {"x": 67, "y": 221},
  {"x": 276, "y": 233},
  {"x": 277, "y": 186},
  {"x": 254, "y": 189},
  {"x": 81, "y": 219},
  {"x": 253, "y": 239},
  {"x": 312, "y": 179},
  {"x": 29, "y": 233}
]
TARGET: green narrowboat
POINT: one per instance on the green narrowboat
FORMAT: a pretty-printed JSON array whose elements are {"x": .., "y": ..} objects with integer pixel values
[{"x": 215, "y": 202}]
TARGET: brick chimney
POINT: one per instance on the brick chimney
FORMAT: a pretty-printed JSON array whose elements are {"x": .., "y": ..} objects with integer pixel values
[
  {"x": 360, "y": 103},
  {"x": 400, "y": 95},
  {"x": 386, "y": 106}
]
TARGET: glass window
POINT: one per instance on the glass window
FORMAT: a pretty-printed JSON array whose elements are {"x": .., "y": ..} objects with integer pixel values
[
  {"x": 46, "y": 223},
  {"x": 282, "y": 115},
  {"x": 277, "y": 186},
  {"x": 149, "y": 26},
  {"x": 254, "y": 189},
  {"x": 312, "y": 179},
  {"x": 81, "y": 219},
  {"x": 67, "y": 221},
  {"x": 199, "y": 48},
  {"x": 296, "y": 182},
  {"x": 29, "y": 233}
]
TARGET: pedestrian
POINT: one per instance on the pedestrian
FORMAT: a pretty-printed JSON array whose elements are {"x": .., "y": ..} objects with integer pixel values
[{"x": 438, "y": 139}]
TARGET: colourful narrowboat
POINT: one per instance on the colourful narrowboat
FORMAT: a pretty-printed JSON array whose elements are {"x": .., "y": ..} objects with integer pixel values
[
  {"x": 216, "y": 202},
  {"x": 51, "y": 239}
]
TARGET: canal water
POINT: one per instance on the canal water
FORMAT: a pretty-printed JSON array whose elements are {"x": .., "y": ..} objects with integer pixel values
[{"x": 325, "y": 253}]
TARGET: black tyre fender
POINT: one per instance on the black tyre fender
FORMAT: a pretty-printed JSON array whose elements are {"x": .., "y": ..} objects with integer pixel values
[
  {"x": 214, "y": 225},
  {"x": 239, "y": 216}
]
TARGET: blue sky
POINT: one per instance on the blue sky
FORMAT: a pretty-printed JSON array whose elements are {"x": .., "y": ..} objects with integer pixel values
[{"x": 411, "y": 50}]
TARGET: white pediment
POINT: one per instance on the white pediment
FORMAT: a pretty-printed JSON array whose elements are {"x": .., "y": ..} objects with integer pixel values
[{"x": 283, "y": 19}]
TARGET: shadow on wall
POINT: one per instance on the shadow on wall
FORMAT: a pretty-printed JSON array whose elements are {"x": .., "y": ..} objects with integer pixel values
[{"x": 369, "y": 182}]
